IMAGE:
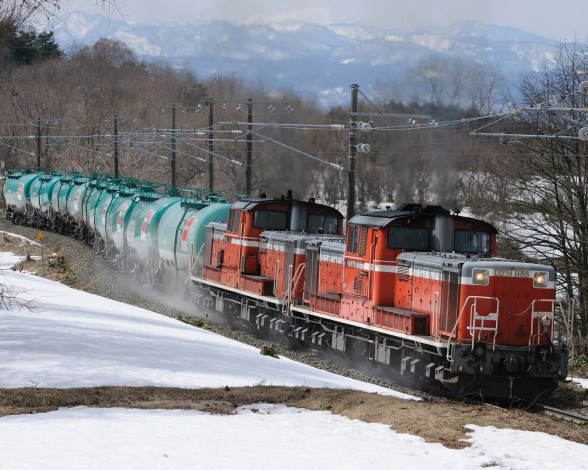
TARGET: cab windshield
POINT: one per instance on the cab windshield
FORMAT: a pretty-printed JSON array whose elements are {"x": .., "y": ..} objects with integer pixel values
[
  {"x": 320, "y": 223},
  {"x": 472, "y": 241}
]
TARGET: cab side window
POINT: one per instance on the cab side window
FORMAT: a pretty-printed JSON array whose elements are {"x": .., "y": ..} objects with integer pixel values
[
  {"x": 233, "y": 221},
  {"x": 352, "y": 239},
  {"x": 272, "y": 220},
  {"x": 405, "y": 238}
]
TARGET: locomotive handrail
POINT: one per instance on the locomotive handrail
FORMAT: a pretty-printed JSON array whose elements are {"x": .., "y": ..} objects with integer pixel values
[
  {"x": 290, "y": 280},
  {"x": 241, "y": 233},
  {"x": 372, "y": 266},
  {"x": 292, "y": 284},
  {"x": 435, "y": 321},
  {"x": 544, "y": 318},
  {"x": 276, "y": 271},
  {"x": 463, "y": 309},
  {"x": 288, "y": 296},
  {"x": 492, "y": 317},
  {"x": 297, "y": 276}
]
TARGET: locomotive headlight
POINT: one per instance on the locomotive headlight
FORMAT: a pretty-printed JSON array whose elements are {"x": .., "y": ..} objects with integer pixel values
[
  {"x": 540, "y": 279},
  {"x": 481, "y": 277}
]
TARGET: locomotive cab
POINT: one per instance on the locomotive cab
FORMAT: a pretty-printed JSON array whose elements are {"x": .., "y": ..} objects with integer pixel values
[
  {"x": 375, "y": 240},
  {"x": 232, "y": 253}
]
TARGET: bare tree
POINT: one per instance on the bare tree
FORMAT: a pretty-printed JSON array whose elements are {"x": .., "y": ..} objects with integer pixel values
[
  {"x": 539, "y": 192},
  {"x": 447, "y": 81},
  {"x": 14, "y": 14}
]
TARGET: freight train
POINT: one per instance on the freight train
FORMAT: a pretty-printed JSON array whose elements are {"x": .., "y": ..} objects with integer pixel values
[{"x": 418, "y": 291}]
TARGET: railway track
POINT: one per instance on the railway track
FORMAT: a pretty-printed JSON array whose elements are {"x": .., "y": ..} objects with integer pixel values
[{"x": 563, "y": 414}]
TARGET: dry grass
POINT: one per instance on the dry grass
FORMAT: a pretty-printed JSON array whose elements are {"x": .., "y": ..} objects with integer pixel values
[
  {"x": 53, "y": 269},
  {"x": 434, "y": 420}
]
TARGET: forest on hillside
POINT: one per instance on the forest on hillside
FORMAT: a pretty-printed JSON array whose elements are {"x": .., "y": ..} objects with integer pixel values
[
  {"x": 99, "y": 108},
  {"x": 64, "y": 105}
]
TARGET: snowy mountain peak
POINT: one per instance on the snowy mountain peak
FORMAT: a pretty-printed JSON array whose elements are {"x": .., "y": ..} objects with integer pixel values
[{"x": 313, "y": 57}]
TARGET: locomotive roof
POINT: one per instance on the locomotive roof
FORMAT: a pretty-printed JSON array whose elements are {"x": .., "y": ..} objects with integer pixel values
[
  {"x": 251, "y": 203},
  {"x": 382, "y": 218}
]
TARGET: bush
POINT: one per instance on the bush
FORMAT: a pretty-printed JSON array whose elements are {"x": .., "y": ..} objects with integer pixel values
[{"x": 271, "y": 350}]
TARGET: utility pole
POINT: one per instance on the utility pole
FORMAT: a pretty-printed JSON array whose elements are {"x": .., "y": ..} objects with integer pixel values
[
  {"x": 38, "y": 143},
  {"x": 352, "y": 159},
  {"x": 210, "y": 139},
  {"x": 249, "y": 146},
  {"x": 115, "y": 143},
  {"x": 173, "y": 146},
  {"x": 210, "y": 145}
]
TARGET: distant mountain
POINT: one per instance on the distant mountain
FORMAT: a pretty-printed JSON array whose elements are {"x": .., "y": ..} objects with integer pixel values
[{"x": 312, "y": 60}]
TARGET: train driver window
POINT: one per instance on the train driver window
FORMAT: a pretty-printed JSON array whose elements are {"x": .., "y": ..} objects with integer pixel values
[
  {"x": 233, "y": 221},
  {"x": 322, "y": 223},
  {"x": 272, "y": 220},
  {"x": 408, "y": 238},
  {"x": 472, "y": 241},
  {"x": 352, "y": 239}
]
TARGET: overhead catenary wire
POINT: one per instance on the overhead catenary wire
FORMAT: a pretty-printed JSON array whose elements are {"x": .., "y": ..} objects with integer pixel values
[
  {"x": 148, "y": 152},
  {"x": 80, "y": 147},
  {"x": 186, "y": 141},
  {"x": 17, "y": 149},
  {"x": 234, "y": 162},
  {"x": 188, "y": 136},
  {"x": 303, "y": 126},
  {"x": 300, "y": 152}
]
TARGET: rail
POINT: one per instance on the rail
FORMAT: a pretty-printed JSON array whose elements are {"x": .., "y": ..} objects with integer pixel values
[{"x": 566, "y": 415}]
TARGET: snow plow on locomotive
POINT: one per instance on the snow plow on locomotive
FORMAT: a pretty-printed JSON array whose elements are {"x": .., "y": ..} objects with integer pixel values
[{"x": 416, "y": 291}]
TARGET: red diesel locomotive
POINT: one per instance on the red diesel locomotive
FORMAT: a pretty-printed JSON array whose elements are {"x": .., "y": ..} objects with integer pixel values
[{"x": 416, "y": 289}]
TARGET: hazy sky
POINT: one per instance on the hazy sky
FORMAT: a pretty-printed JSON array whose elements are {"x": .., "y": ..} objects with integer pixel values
[{"x": 557, "y": 19}]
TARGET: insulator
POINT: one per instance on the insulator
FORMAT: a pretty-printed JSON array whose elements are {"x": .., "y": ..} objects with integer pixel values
[
  {"x": 364, "y": 126},
  {"x": 363, "y": 148}
]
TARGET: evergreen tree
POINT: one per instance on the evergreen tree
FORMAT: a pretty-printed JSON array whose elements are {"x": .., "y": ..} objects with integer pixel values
[{"x": 29, "y": 46}]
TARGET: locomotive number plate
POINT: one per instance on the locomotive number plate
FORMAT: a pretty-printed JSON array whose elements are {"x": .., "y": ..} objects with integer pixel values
[{"x": 512, "y": 273}]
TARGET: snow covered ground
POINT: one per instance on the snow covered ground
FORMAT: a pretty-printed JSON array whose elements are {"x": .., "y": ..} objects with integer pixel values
[
  {"x": 75, "y": 339},
  {"x": 582, "y": 382}
]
